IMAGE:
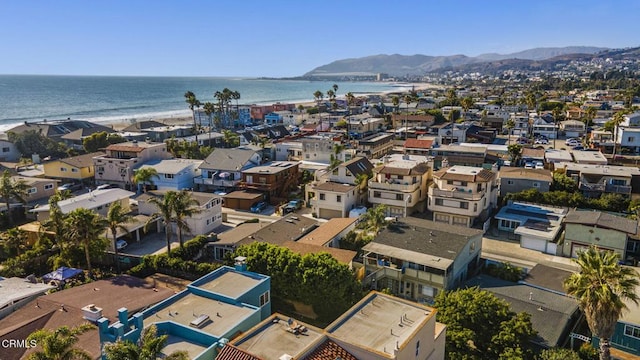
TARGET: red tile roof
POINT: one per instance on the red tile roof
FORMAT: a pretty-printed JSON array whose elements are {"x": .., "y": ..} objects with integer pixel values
[
  {"x": 230, "y": 352},
  {"x": 329, "y": 350},
  {"x": 418, "y": 143}
]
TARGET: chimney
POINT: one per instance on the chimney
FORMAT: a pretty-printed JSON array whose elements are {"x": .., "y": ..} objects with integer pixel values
[
  {"x": 92, "y": 313},
  {"x": 240, "y": 263}
]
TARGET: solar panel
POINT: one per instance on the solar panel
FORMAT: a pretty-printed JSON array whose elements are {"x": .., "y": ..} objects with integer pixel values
[
  {"x": 537, "y": 225},
  {"x": 531, "y": 214}
]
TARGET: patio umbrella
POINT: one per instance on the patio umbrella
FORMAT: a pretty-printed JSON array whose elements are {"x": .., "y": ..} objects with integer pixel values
[
  {"x": 224, "y": 175},
  {"x": 62, "y": 273}
]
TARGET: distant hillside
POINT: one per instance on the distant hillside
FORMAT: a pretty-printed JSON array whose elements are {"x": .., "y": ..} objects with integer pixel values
[{"x": 400, "y": 65}]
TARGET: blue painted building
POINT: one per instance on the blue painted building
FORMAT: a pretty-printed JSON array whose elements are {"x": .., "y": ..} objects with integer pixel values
[
  {"x": 273, "y": 118},
  {"x": 199, "y": 319},
  {"x": 174, "y": 174}
]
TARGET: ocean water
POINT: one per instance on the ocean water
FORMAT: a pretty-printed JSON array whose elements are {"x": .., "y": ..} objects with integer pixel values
[{"x": 114, "y": 99}]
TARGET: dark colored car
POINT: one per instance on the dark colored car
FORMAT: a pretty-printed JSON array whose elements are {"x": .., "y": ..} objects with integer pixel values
[{"x": 258, "y": 207}]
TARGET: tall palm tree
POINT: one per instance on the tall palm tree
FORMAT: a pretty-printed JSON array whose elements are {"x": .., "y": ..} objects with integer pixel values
[
  {"x": 185, "y": 206},
  {"x": 117, "y": 216},
  {"x": 12, "y": 190},
  {"x": 56, "y": 221},
  {"x": 149, "y": 347},
  {"x": 85, "y": 226},
  {"x": 407, "y": 99},
  {"x": 618, "y": 118},
  {"x": 194, "y": 103},
  {"x": 145, "y": 176},
  {"x": 14, "y": 240},
  {"x": 509, "y": 125},
  {"x": 165, "y": 205},
  {"x": 601, "y": 287},
  {"x": 318, "y": 96},
  {"x": 209, "y": 109},
  {"x": 58, "y": 344},
  {"x": 301, "y": 111}
]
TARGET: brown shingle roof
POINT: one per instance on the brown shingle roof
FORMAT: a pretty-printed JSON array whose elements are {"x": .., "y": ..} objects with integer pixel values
[
  {"x": 329, "y": 350},
  {"x": 482, "y": 175},
  {"x": 327, "y": 231},
  {"x": 334, "y": 187},
  {"x": 81, "y": 161},
  {"x": 127, "y": 148},
  {"x": 533, "y": 153},
  {"x": 601, "y": 219},
  {"x": 522, "y": 173}
]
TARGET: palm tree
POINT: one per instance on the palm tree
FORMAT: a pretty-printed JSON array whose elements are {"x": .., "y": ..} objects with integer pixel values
[
  {"x": 194, "y": 103},
  {"x": 590, "y": 114},
  {"x": 149, "y": 347},
  {"x": 601, "y": 287},
  {"x": 374, "y": 218},
  {"x": 116, "y": 217},
  {"x": 14, "y": 240},
  {"x": 56, "y": 221},
  {"x": 10, "y": 189},
  {"x": 58, "y": 344},
  {"x": 165, "y": 206},
  {"x": 301, "y": 111},
  {"x": 145, "y": 176},
  {"x": 509, "y": 125},
  {"x": 407, "y": 99},
  {"x": 618, "y": 118},
  {"x": 185, "y": 206},
  {"x": 85, "y": 227},
  {"x": 318, "y": 96},
  {"x": 467, "y": 103},
  {"x": 230, "y": 138},
  {"x": 209, "y": 108}
]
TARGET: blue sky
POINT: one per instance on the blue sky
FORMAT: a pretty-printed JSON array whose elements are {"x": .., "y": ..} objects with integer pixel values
[{"x": 287, "y": 38}]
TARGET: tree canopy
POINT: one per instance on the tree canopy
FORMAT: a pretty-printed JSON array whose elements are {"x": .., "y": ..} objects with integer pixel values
[
  {"x": 481, "y": 326},
  {"x": 34, "y": 142},
  {"x": 315, "y": 279},
  {"x": 101, "y": 140}
]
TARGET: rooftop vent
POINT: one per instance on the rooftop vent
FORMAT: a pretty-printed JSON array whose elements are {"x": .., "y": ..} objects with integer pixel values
[{"x": 92, "y": 313}]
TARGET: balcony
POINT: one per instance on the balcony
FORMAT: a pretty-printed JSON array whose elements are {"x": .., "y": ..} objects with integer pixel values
[
  {"x": 618, "y": 189},
  {"x": 390, "y": 272},
  {"x": 257, "y": 186},
  {"x": 456, "y": 194},
  {"x": 215, "y": 182},
  {"x": 394, "y": 185}
]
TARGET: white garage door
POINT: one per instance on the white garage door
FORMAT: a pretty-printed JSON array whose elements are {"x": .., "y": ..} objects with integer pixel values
[{"x": 533, "y": 244}]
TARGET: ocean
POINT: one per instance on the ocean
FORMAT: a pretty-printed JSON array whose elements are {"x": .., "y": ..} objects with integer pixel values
[{"x": 125, "y": 99}]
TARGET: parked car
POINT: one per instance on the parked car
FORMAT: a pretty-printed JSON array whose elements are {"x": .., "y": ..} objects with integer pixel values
[
  {"x": 539, "y": 165},
  {"x": 579, "y": 147},
  {"x": 121, "y": 244},
  {"x": 64, "y": 187},
  {"x": 542, "y": 141},
  {"x": 258, "y": 207},
  {"x": 292, "y": 206},
  {"x": 528, "y": 165},
  {"x": 569, "y": 141}
]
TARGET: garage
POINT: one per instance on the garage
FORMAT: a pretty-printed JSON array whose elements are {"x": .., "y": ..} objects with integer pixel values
[
  {"x": 533, "y": 244},
  {"x": 330, "y": 214}
]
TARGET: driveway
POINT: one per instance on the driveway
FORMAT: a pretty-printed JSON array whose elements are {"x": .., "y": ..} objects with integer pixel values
[{"x": 151, "y": 244}]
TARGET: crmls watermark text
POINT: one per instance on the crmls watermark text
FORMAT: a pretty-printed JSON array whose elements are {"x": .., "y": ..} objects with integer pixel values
[{"x": 15, "y": 343}]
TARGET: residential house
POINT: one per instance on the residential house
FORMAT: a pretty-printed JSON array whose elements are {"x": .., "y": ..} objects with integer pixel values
[
  {"x": 456, "y": 154},
  {"x": 330, "y": 233},
  {"x": 516, "y": 179},
  {"x": 208, "y": 217},
  {"x": 8, "y": 151},
  {"x": 493, "y": 122},
  {"x": 289, "y": 151},
  {"x": 365, "y": 331},
  {"x": 416, "y": 259},
  {"x": 462, "y": 195},
  {"x": 222, "y": 169},
  {"x": 584, "y": 228},
  {"x": 273, "y": 179},
  {"x": 75, "y": 306},
  {"x": 595, "y": 180},
  {"x": 173, "y": 174},
  {"x": 557, "y": 157},
  {"x": 117, "y": 166},
  {"x": 418, "y": 147},
  {"x": 553, "y": 315},
  {"x": 537, "y": 227},
  {"x": 18, "y": 291},
  {"x": 96, "y": 200},
  {"x": 364, "y": 126},
  {"x": 212, "y": 139},
  {"x": 546, "y": 128},
  {"x": 589, "y": 157},
  {"x": 521, "y": 122},
  {"x": 411, "y": 121},
  {"x": 400, "y": 183},
  {"x": 319, "y": 148},
  {"x": 573, "y": 128},
  {"x": 38, "y": 188},
  {"x": 602, "y": 140},
  {"x": 76, "y": 168},
  {"x": 532, "y": 156},
  {"x": 57, "y": 128},
  {"x": 375, "y": 146},
  {"x": 201, "y": 318},
  {"x": 332, "y": 200},
  {"x": 75, "y": 139},
  {"x": 629, "y": 139}
]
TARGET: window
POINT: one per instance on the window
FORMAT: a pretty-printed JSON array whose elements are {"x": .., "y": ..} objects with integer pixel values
[
  {"x": 632, "y": 331},
  {"x": 32, "y": 190},
  {"x": 464, "y": 205},
  {"x": 5, "y": 149},
  {"x": 322, "y": 196},
  {"x": 417, "y": 348},
  {"x": 536, "y": 184},
  {"x": 399, "y": 197},
  {"x": 100, "y": 168},
  {"x": 509, "y": 182},
  {"x": 377, "y": 194},
  {"x": 338, "y": 198},
  {"x": 400, "y": 177},
  {"x": 168, "y": 176},
  {"x": 74, "y": 170},
  {"x": 439, "y": 202},
  {"x": 631, "y": 138},
  {"x": 208, "y": 221},
  {"x": 63, "y": 169},
  {"x": 475, "y": 207},
  {"x": 264, "y": 298},
  {"x": 449, "y": 182},
  {"x": 48, "y": 186}
]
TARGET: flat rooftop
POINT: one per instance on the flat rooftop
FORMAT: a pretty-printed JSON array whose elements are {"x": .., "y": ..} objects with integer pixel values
[
  {"x": 14, "y": 289},
  {"x": 222, "y": 316},
  {"x": 370, "y": 323},
  {"x": 176, "y": 343},
  {"x": 231, "y": 284},
  {"x": 270, "y": 340}
]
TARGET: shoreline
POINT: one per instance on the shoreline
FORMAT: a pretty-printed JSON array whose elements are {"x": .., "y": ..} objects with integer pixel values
[{"x": 182, "y": 117}]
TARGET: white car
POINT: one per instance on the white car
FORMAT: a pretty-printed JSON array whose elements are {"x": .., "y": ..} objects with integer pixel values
[
  {"x": 572, "y": 141},
  {"x": 539, "y": 165},
  {"x": 542, "y": 142}
]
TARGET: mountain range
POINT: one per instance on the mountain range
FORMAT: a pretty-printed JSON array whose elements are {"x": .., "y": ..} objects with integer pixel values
[{"x": 402, "y": 65}]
